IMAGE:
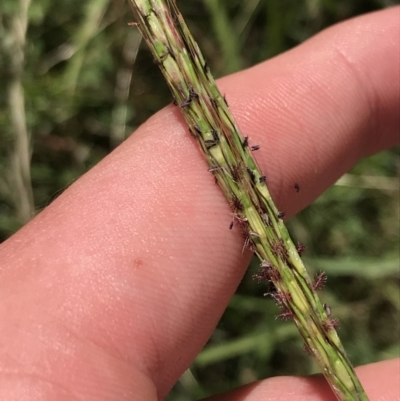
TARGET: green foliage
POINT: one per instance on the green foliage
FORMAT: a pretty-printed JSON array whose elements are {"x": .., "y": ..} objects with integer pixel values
[{"x": 74, "y": 53}]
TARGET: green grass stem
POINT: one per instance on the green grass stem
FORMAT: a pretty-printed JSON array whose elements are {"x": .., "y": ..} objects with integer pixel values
[{"x": 230, "y": 160}]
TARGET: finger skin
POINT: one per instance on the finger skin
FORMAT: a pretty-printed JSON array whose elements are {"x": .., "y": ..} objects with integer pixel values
[
  {"x": 112, "y": 290},
  {"x": 380, "y": 380}
]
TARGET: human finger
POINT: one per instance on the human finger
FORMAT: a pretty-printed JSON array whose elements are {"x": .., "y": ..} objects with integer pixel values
[
  {"x": 122, "y": 279},
  {"x": 380, "y": 380}
]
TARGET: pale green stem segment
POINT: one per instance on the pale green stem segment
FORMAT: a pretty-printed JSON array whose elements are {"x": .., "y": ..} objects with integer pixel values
[{"x": 230, "y": 159}]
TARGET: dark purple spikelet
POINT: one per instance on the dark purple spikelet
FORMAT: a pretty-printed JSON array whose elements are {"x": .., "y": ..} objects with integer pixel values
[
  {"x": 279, "y": 249},
  {"x": 287, "y": 296},
  {"x": 197, "y": 128},
  {"x": 319, "y": 281},
  {"x": 262, "y": 178},
  {"x": 213, "y": 169},
  {"x": 297, "y": 187},
  {"x": 186, "y": 102},
  {"x": 260, "y": 277},
  {"x": 281, "y": 215},
  {"x": 251, "y": 174},
  {"x": 270, "y": 275},
  {"x": 275, "y": 275},
  {"x": 275, "y": 296},
  {"x": 243, "y": 224},
  {"x": 231, "y": 225},
  {"x": 210, "y": 143},
  {"x": 193, "y": 94},
  {"x": 245, "y": 142},
  {"x": 265, "y": 273},
  {"x": 213, "y": 102},
  {"x": 255, "y": 147},
  {"x": 236, "y": 172},
  {"x": 236, "y": 204},
  {"x": 271, "y": 289},
  {"x": 281, "y": 298},
  {"x": 287, "y": 315},
  {"x": 248, "y": 243},
  {"x": 335, "y": 323},
  {"x": 300, "y": 248},
  {"x": 331, "y": 324}
]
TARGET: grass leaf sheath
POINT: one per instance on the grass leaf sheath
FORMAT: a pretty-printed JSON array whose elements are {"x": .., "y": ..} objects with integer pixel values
[{"x": 230, "y": 159}]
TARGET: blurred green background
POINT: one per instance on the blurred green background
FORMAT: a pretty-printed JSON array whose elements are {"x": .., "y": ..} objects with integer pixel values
[{"x": 75, "y": 85}]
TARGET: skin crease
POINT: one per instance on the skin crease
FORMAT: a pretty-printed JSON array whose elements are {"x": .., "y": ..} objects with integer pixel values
[{"x": 111, "y": 291}]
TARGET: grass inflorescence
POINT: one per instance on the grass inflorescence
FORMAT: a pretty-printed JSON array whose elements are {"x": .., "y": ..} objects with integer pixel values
[{"x": 230, "y": 158}]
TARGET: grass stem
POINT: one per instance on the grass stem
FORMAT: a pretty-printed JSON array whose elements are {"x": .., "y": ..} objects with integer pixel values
[{"x": 236, "y": 171}]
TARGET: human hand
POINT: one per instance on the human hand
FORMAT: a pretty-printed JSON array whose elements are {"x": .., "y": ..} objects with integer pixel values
[{"x": 112, "y": 290}]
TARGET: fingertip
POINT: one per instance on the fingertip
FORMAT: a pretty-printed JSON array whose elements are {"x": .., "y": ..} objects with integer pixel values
[
  {"x": 380, "y": 380},
  {"x": 321, "y": 107}
]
